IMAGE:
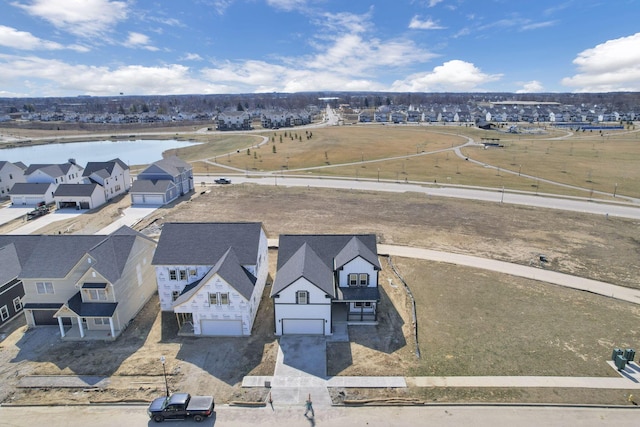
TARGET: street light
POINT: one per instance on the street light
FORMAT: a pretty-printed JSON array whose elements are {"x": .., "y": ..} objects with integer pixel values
[{"x": 164, "y": 373}]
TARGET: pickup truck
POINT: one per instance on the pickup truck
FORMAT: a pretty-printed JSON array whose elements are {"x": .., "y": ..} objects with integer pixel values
[{"x": 180, "y": 406}]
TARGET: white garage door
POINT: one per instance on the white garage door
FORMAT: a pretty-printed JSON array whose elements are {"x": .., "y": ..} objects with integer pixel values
[
  {"x": 303, "y": 326},
  {"x": 231, "y": 328},
  {"x": 32, "y": 200},
  {"x": 138, "y": 199},
  {"x": 152, "y": 200}
]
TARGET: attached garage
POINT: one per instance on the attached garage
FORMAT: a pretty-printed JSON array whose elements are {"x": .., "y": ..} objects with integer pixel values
[
  {"x": 229, "y": 328},
  {"x": 303, "y": 326}
]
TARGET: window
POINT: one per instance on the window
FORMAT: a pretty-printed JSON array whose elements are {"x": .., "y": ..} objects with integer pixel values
[
  {"x": 193, "y": 272},
  {"x": 364, "y": 279},
  {"x": 224, "y": 299},
  {"x": 44, "y": 288},
  {"x": 213, "y": 299},
  {"x": 96, "y": 294},
  {"x": 183, "y": 274},
  {"x": 4, "y": 312},
  {"x": 175, "y": 295},
  {"x": 173, "y": 275},
  {"x": 100, "y": 320},
  {"x": 17, "y": 304},
  {"x": 353, "y": 279},
  {"x": 302, "y": 297}
]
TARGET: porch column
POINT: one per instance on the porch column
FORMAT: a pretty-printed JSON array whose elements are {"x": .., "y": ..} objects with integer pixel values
[
  {"x": 113, "y": 333},
  {"x": 61, "y": 326},
  {"x": 80, "y": 328}
]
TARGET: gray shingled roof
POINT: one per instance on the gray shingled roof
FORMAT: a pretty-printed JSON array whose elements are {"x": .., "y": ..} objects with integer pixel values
[
  {"x": 37, "y": 189},
  {"x": 204, "y": 243},
  {"x": 75, "y": 190},
  {"x": 107, "y": 167},
  {"x": 150, "y": 185},
  {"x": 353, "y": 249},
  {"x": 229, "y": 269},
  {"x": 92, "y": 309},
  {"x": 50, "y": 169},
  {"x": 53, "y": 256},
  {"x": 9, "y": 263},
  {"x": 327, "y": 246},
  {"x": 306, "y": 263},
  {"x": 172, "y": 165}
]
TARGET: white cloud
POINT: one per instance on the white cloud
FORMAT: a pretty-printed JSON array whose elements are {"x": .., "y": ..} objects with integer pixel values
[
  {"x": 191, "y": 57},
  {"x": 537, "y": 25},
  {"x": 287, "y": 5},
  {"x": 531, "y": 87},
  {"x": 138, "y": 40},
  {"x": 608, "y": 67},
  {"x": 80, "y": 17},
  {"x": 11, "y": 37},
  {"x": 429, "y": 24},
  {"x": 455, "y": 76},
  {"x": 434, "y": 2}
]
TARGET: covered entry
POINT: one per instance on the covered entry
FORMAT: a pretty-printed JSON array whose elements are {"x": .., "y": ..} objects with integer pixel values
[{"x": 303, "y": 326}]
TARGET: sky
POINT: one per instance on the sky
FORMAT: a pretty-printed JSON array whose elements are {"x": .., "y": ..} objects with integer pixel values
[{"x": 161, "y": 47}]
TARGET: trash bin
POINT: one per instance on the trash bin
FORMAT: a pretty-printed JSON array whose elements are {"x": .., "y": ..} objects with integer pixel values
[
  {"x": 616, "y": 352},
  {"x": 629, "y": 354},
  {"x": 620, "y": 362}
]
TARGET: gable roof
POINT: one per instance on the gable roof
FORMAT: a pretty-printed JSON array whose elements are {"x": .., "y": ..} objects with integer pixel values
[
  {"x": 53, "y": 256},
  {"x": 30, "y": 188},
  {"x": 101, "y": 168},
  {"x": 172, "y": 165},
  {"x": 9, "y": 263},
  {"x": 330, "y": 246},
  {"x": 306, "y": 263},
  {"x": 53, "y": 170},
  {"x": 151, "y": 186},
  {"x": 75, "y": 190},
  {"x": 204, "y": 243},
  {"x": 229, "y": 269}
]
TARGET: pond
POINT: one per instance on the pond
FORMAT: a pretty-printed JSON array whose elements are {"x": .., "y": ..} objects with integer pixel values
[{"x": 138, "y": 152}]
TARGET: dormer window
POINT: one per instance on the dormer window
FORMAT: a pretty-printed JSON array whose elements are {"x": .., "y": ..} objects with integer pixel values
[{"x": 302, "y": 297}]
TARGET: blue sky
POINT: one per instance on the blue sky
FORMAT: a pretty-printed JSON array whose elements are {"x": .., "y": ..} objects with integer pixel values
[{"x": 144, "y": 47}]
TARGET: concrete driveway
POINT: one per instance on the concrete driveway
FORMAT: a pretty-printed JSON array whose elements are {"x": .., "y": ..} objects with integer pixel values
[
  {"x": 9, "y": 213},
  {"x": 130, "y": 216},
  {"x": 38, "y": 223}
]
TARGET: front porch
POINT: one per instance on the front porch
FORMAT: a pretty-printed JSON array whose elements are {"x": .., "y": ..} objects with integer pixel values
[
  {"x": 73, "y": 334},
  {"x": 340, "y": 314}
]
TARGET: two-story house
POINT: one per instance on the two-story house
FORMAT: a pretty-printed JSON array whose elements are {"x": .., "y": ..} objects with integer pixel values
[
  {"x": 11, "y": 290},
  {"x": 10, "y": 174},
  {"x": 321, "y": 279},
  {"x": 42, "y": 181},
  {"x": 112, "y": 175},
  {"x": 90, "y": 286},
  {"x": 212, "y": 275},
  {"x": 162, "y": 182}
]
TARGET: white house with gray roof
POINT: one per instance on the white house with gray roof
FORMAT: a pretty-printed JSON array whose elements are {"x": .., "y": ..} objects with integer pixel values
[
  {"x": 212, "y": 275},
  {"x": 90, "y": 286},
  {"x": 113, "y": 176},
  {"x": 10, "y": 173},
  {"x": 79, "y": 196},
  {"x": 322, "y": 279},
  {"x": 31, "y": 194}
]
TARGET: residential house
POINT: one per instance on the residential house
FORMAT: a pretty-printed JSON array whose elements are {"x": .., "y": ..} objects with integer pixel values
[
  {"x": 324, "y": 279},
  {"x": 32, "y": 194},
  {"x": 113, "y": 176},
  {"x": 162, "y": 182},
  {"x": 212, "y": 275},
  {"x": 79, "y": 196},
  {"x": 10, "y": 173},
  {"x": 11, "y": 289},
  {"x": 64, "y": 173},
  {"x": 91, "y": 286}
]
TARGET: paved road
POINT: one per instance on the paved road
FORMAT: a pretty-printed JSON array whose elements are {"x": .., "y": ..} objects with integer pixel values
[
  {"x": 441, "y": 416},
  {"x": 624, "y": 210}
]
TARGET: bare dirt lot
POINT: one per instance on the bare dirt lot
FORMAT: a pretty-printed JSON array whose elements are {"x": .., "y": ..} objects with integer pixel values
[{"x": 600, "y": 248}]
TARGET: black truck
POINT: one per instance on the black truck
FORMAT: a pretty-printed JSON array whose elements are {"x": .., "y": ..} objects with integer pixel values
[{"x": 180, "y": 406}]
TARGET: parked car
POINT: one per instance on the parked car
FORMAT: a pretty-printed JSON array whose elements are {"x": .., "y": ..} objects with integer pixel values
[
  {"x": 223, "y": 181},
  {"x": 180, "y": 406}
]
